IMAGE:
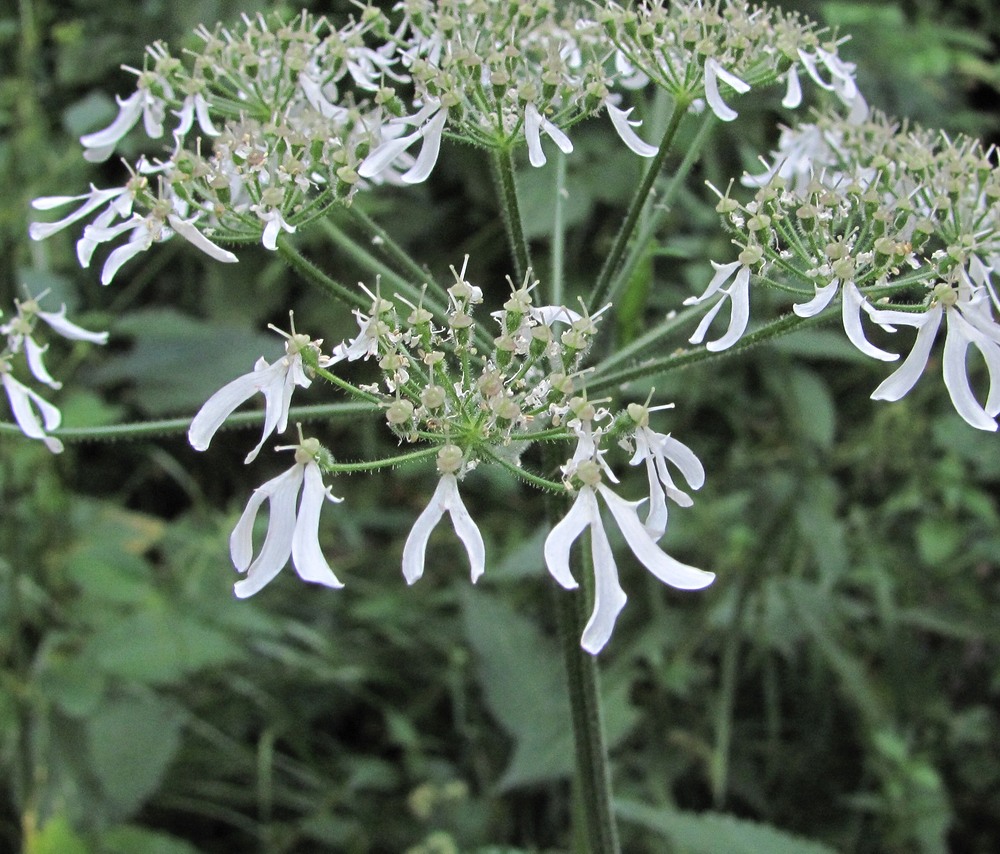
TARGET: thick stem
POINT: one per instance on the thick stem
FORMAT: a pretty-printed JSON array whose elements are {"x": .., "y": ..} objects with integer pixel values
[
  {"x": 593, "y": 773},
  {"x": 503, "y": 175},
  {"x": 602, "y": 287}
]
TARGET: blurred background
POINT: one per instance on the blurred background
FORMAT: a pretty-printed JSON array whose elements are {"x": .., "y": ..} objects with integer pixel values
[{"x": 837, "y": 689}]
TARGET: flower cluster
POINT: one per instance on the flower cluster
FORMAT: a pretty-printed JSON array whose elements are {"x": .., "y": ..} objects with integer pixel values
[
  {"x": 273, "y": 122},
  {"x": 34, "y": 414},
  {"x": 470, "y": 395},
  {"x": 692, "y": 49},
  {"x": 266, "y": 134},
  {"x": 867, "y": 210}
]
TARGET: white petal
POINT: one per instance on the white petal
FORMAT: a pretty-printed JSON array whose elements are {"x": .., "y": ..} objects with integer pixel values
[
  {"x": 723, "y": 273},
  {"x": 465, "y": 527},
  {"x": 415, "y": 548},
  {"x": 532, "y": 128},
  {"x": 906, "y": 375},
  {"x": 282, "y": 492},
  {"x": 554, "y": 133},
  {"x": 431, "y": 132},
  {"x": 609, "y": 598},
  {"x": 956, "y": 377},
  {"x": 664, "y": 567},
  {"x": 129, "y": 111},
  {"x": 57, "y": 320},
  {"x": 94, "y": 200},
  {"x": 851, "y": 313},
  {"x": 706, "y": 321},
  {"x": 34, "y": 354},
  {"x": 619, "y": 118},
  {"x": 306, "y": 553},
  {"x": 221, "y": 404},
  {"x": 824, "y": 296},
  {"x": 685, "y": 459},
  {"x": 201, "y": 109},
  {"x": 124, "y": 254},
  {"x": 656, "y": 519},
  {"x": 793, "y": 94},
  {"x": 561, "y": 538},
  {"x": 713, "y": 73},
  {"x": 383, "y": 155},
  {"x": 739, "y": 294},
  {"x": 186, "y": 229},
  {"x": 241, "y": 539},
  {"x": 21, "y": 399}
]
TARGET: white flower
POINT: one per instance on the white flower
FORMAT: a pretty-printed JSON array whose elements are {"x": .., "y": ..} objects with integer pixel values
[
  {"x": 23, "y": 402},
  {"x": 623, "y": 126},
  {"x": 144, "y": 232},
  {"x": 713, "y": 74},
  {"x": 738, "y": 293},
  {"x": 656, "y": 450},
  {"x": 852, "y": 303},
  {"x": 969, "y": 322},
  {"x": 609, "y": 598},
  {"x": 445, "y": 499},
  {"x": 142, "y": 103},
  {"x": 289, "y": 533},
  {"x": 275, "y": 381},
  {"x": 194, "y": 106},
  {"x": 429, "y": 121},
  {"x": 118, "y": 199},
  {"x": 534, "y": 124}
]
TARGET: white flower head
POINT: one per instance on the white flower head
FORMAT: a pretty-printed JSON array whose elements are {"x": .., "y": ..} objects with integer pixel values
[
  {"x": 275, "y": 381},
  {"x": 291, "y": 531},
  {"x": 23, "y": 403},
  {"x": 656, "y": 450},
  {"x": 969, "y": 323},
  {"x": 738, "y": 293},
  {"x": 444, "y": 500},
  {"x": 609, "y": 598},
  {"x": 534, "y": 125}
]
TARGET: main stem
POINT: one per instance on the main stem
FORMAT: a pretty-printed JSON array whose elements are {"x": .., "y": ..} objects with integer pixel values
[
  {"x": 503, "y": 174},
  {"x": 593, "y": 774}
]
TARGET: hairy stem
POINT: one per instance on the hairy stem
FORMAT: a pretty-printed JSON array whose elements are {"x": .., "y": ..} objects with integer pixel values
[{"x": 503, "y": 175}]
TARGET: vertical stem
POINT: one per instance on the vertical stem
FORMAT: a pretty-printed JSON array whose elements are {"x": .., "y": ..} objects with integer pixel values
[
  {"x": 593, "y": 774},
  {"x": 593, "y": 777},
  {"x": 503, "y": 175},
  {"x": 602, "y": 286},
  {"x": 558, "y": 233}
]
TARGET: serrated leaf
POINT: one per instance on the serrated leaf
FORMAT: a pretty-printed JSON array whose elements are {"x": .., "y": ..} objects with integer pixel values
[{"x": 712, "y": 833}]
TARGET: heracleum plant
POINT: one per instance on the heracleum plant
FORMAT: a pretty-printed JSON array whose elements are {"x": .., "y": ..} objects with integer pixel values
[{"x": 274, "y": 125}]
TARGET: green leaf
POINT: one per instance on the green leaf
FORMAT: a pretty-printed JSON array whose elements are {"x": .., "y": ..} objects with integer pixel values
[
  {"x": 520, "y": 673},
  {"x": 157, "y": 645},
  {"x": 56, "y": 837},
  {"x": 132, "y": 740},
  {"x": 712, "y": 833},
  {"x": 177, "y": 362},
  {"x": 130, "y": 839}
]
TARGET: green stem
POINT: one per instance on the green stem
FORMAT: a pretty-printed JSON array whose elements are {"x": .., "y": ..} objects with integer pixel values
[
  {"x": 602, "y": 287},
  {"x": 593, "y": 773},
  {"x": 601, "y": 380},
  {"x": 503, "y": 174},
  {"x": 313, "y": 274},
  {"x": 520, "y": 473},
  {"x": 388, "y": 462},
  {"x": 556, "y": 284},
  {"x": 167, "y": 426},
  {"x": 662, "y": 207}
]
